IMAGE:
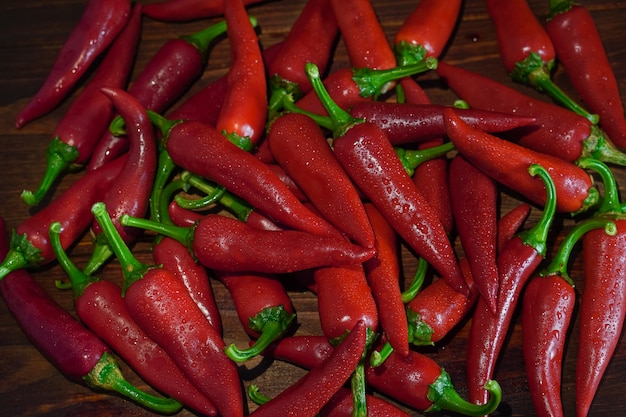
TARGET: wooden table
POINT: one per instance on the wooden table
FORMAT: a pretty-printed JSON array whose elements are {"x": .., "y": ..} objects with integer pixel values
[{"x": 32, "y": 34}]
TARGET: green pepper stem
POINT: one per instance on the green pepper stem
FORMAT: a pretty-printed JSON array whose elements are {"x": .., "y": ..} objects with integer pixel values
[
  {"x": 202, "y": 40},
  {"x": 610, "y": 202},
  {"x": 537, "y": 235},
  {"x": 59, "y": 157},
  {"x": 101, "y": 253},
  {"x": 378, "y": 357},
  {"x": 444, "y": 396},
  {"x": 358, "y": 385},
  {"x": 79, "y": 280},
  {"x": 281, "y": 91},
  {"x": 559, "y": 6},
  {"x": 163, "y": 124},
  {"x": 420, "y": 332},
  {"x": 22, "y": 254},
  {"x": 202, "y": 202},
  {"x": 323, "y": 121},
  {"x": 373, "y": 82},
  {"x": 418, "y": 281},
  {"x": 412, "y": 158},
  {"x": 255, "y": 395},
  {"x": 558, "y": 265},
  {"x": 165, "y": 169},
  {"x": 408, "y": 53},
  {"x": 597, "y": 145},
  {"x": 107, "y": 375},
  {"x": 132, "y": 269},
  {"x": 183, "y": 234},
  {"x": 165, "y": 198}
]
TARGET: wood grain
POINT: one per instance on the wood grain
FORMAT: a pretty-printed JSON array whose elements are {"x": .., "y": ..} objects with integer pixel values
[{"x": 33, "y": 32}]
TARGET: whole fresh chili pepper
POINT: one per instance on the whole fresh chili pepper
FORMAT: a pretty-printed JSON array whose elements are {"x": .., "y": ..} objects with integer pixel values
[
  {"x": 98, "y": 26},
  {"x": 244, "y": 112},
  {"x": 511, "y": 222},
  {"x": 160, "y": 303},
  {"x": 187, "y": 10},
  {"x": 603, "y": 300},
  {"x": 548, "y": 305},
  {"x": 517, "y": 262},
  {"x": 556, "y": 131},
  {"x": 100, "y": 306},
  {"x": 415, "y": 380},
  {"x": 226, "y": 244},
  {"x": 474, "y": 200},
  {"x": 299, "y": 146},
  {"x": 130, "y": 192},
  {"x": 307, "y": 396},
  {"x": 176, "y": 258},
  {"x": 263, "y": 307},
  {"x": 383, "y": 274},
  {"x": 580, "y": 51},
  {"x": 366, "y": 154},
  {"x": 204, "y": 151},
  {"x": 73, "y": 349},
  {"x": 76, "y": 134},
  {"x": 30, "y": 245},
  {"x": 507, "y": 164},
  {"x": 527, "y": 51}
]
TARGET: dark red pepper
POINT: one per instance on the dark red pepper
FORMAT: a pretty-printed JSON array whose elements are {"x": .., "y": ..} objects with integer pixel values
[
  {"x": 100, "y": 306},
  {"x": 98, "y": 26},
  {"x": 511, "y": 222},
  {"x": 342, "y": 404},
  {"x": 187, "y": 10},
  {"x": 160, "y": 303},
  {"x": 88, "y": 117}
]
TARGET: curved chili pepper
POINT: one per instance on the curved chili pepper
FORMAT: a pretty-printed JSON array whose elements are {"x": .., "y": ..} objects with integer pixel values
[
  {"x": 30, "y": 245},
  {"x": 406, "y": 123},
  {"x": 580, "y": 50},
  {"x": 244, "y": 111},
  {"x": 366, "y": 154},
  {"x": 308, "y": 395},
  {"x": 187, "y": 10},
  {"x": 204, "y": 151},
  {"x": 100, "y": 306},
  {"x": 557, "y": 131},
  {"x": 517, "y": 262},
  {"x": 73, "y": 349},
  {"x": 426, "y": 30},
  {"x": 603, "y": 300},
  {"x": 299, "y": 146},
  {"x": 160, "y": 303},
  {"x": 228, "y": 244},
  {"x": 548, "y": 305},
  {"x": 527, "y": 51},
  {"x": 98, "y": 26},
  {"x": 474, "y": 198},
  {"x": 507, "y": 162},
  {"x": 263, "y": 307},
  {"x": 176, "y": 258},
  {"x": 130, "y": 192},
  {"x": 383, "y": 275},
  {"x": 76, "y": 134}
]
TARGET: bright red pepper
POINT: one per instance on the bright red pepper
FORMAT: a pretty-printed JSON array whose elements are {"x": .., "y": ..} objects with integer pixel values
[
  {"x": 100, "y": 306},
  {"x": 160, "y": 303},
  {"x": 76, "y": 134},
  {"x": 507, "y": 163},
  {"x": 517, "y": 262},
  {"x": 98, "y": 26},
  {"x": 187, "y": 10},
  {"x": 580, "y": 50}
]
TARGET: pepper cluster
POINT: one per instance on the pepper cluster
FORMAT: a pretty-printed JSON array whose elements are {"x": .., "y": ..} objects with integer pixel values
[{"x": 288, "y": 173}]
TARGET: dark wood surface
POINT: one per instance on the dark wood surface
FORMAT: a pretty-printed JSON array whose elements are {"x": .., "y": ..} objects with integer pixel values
[{"x": 32, "y": 33}]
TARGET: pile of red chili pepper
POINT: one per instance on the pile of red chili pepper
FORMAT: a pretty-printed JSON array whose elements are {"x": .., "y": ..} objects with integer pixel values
[{"x": 287, "y": 175}]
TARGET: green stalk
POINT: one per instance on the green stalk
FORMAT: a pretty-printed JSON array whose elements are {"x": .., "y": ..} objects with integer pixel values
[
  {"x": 444, "y": 397},
  {"x": 412, "y": 158}
]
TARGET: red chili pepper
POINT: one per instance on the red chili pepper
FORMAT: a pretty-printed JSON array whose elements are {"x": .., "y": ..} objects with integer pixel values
[
  {"x": 603, "y": 300},
  {"x": 98, "y": 26},
  {"x": 507, "y": 163},
  {"x": 308, "y": 395},
  {"x": 263, "y": 307},
  {"x": 366, "y": 154},
  {"x": 580, "y": 50},
  {"x": 187, "y": 10},
  {"x": 342, "y": 404},
  {"x": 383, "y": 274},
  {"x": 527, "y": 51},
  {"x": 76, "y": 134},
  {"x": 30, "y": 246},
  {"x": 511, "y": 222},
  {"x": 426, "y": 30},
  {"x": 244, "y": 112},
  {"x": 76, "y": 351},
  {"x": 160, "y": 303},
  {"x": 557, "y": 131},
  {"x": 130, "y": 192},
  {"x": 474, "y": 197},
  {"x": 299, "y": 146},
  {"x": 548, "y": 305},
  {"x": 100, "y": 306},
  {"x": 176, "y": 258},
  {"x": 517, "y": 261}
]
